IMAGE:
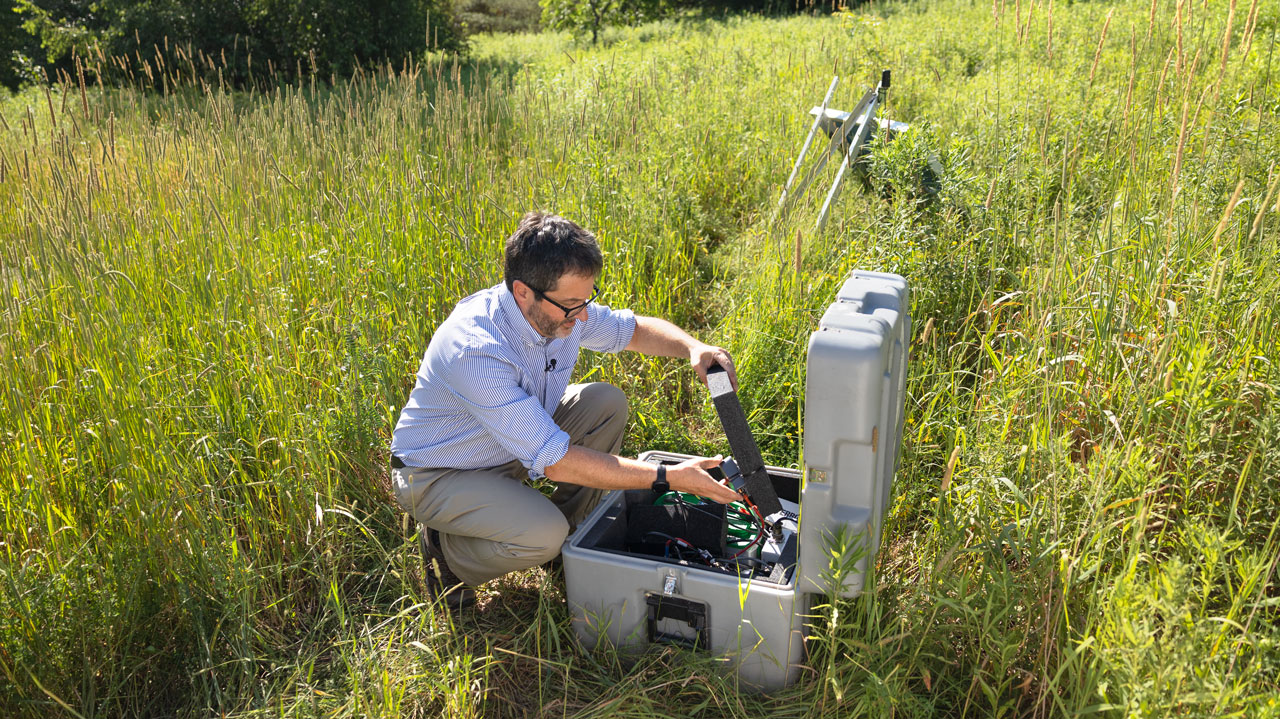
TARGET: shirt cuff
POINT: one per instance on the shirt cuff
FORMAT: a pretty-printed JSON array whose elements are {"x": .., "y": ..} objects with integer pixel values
[{"x": 552, "y": 451}]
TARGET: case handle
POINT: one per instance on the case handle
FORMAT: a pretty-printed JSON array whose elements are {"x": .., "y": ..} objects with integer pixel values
[{"x": 689, "y": 611}]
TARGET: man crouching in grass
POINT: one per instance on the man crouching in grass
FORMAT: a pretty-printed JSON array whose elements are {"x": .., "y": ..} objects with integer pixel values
[{"x": 493, "y": 407}]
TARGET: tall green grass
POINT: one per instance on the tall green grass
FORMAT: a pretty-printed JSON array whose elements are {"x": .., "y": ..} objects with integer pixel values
[{"x": 214, "y": 304}]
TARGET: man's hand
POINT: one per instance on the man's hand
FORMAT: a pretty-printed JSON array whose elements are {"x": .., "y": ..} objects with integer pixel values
[
  {"x": 701, "y": 357},
  {"x": 655, "y": 336},
  {"x": 590, "y": 468},
  {"x": 691, "y": 476}
]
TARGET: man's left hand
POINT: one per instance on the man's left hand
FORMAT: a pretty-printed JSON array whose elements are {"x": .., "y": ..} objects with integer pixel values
[{"x": 701, "y": 357}]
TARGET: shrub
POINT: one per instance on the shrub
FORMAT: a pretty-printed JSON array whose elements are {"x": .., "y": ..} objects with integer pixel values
[
  {"x": 583, "y": 16},
  {"x": 499, "y": 15},
  {"x": 243, "y": 40}
]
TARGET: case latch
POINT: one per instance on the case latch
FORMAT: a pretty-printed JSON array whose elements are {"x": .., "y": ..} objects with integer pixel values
[{"x": 669, "y": 584}]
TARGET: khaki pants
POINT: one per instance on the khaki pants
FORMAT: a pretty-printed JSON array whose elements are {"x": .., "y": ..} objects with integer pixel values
[{"x": 490, "y": 521}]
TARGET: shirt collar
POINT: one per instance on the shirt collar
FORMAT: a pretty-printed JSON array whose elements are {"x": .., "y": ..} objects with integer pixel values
[{"x": 514, "y": 320}]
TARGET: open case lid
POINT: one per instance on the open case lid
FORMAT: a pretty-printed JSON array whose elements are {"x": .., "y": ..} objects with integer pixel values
[{"x": 855, "y": 385}]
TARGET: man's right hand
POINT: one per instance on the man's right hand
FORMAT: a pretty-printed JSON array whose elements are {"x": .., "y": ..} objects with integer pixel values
[
  {"x": 590, "y": 468},
  {"x": 691, "y": 476}
]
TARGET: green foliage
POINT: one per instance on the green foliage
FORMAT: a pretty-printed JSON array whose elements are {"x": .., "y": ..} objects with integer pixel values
[
  {"x": 62, "y": 27},
  {"x": 477, "y": 16},
  {"x": 591, "y": 16},
  {"x": 213, "y": 303},
  {"x": 762, "y": 6},
  {"x": 238, "y": 42},
  {"x": 17, "y": 48}
]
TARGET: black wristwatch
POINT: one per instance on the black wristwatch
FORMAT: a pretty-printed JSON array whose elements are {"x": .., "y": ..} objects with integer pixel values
[{"x": 660, "y": 485}]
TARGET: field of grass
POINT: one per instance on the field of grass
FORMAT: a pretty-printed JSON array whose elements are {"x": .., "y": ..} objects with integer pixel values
[{"x": 213, "y": 305}]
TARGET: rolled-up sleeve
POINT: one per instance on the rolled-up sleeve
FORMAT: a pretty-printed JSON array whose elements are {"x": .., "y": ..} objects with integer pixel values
[
  {"x": 608, "y": 330},
  {"x": 487, "y": 387}
]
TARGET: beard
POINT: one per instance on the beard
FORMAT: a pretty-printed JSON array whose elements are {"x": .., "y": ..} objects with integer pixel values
[{"x": 548, "y": 326}]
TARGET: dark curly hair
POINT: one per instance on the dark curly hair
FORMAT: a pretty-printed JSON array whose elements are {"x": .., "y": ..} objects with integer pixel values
[{"x": 545, "y": 247}]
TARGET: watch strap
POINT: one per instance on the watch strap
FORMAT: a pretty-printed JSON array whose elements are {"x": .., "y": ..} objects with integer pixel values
[{"x": 660, "y": 485}]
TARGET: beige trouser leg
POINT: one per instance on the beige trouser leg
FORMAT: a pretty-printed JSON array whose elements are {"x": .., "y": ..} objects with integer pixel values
[{"x": 490, "y": 521}]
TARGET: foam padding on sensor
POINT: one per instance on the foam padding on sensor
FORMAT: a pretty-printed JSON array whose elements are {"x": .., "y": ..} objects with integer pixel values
[{"x": 745, "y": 450}]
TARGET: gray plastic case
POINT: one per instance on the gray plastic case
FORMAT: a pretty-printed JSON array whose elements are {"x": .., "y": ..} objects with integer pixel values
[
  {"x": 855, "y": 384},
  {"x": 630, "y": 600}
]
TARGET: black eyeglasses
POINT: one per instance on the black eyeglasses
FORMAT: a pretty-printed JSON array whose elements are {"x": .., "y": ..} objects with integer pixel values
[{"x": 568, "y": 311}]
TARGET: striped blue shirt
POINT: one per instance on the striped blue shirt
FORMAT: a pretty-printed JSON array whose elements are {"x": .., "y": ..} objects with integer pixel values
[{"x": 489, "y": 383}]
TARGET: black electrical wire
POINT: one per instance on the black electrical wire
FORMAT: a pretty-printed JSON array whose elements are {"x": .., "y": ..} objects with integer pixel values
[
  {"x": 740, "y": 556},
  {"x": 697, "y": 508},
  {"x": 681, "y": 545}
]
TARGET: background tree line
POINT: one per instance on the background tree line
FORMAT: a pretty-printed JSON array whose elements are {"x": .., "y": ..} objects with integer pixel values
[
  {"x": 246, "y": 37},
  {"x": 278, "y": 39}
]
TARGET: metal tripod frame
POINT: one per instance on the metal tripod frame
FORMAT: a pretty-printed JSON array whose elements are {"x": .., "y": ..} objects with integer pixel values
[{"x": 850, "y": 132}]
